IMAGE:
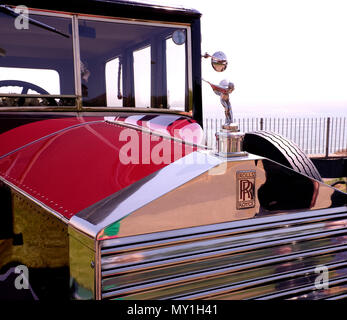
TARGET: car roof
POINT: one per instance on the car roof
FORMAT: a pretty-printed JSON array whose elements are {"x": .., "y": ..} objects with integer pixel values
[
  {"x": 166, "y": 4},
  {"x": 137, "y": 9}
]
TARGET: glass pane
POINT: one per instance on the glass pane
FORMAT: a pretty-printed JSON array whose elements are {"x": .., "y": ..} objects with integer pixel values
[
  {"x": 176, "y": 75},
  {"x": 140, "y": 51},
  {"x": 36, "y": 60},
  {"x": 114, "y": 84},
  {"x": 37, "y": 77},
  {"x": 142, "y": 77}
]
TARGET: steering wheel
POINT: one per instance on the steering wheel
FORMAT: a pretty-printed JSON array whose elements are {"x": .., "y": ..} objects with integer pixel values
[{"x": 26, "y": 86}]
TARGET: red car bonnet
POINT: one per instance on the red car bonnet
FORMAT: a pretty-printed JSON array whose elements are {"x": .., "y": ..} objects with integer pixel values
[{"x": 71, "y": 163}]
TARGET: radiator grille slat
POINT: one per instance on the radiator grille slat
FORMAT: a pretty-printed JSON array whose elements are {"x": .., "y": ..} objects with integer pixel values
[{"x": 275, "y": 260}]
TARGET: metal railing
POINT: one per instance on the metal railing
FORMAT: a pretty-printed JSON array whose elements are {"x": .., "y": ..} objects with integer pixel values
[{"x": 325, "y": 136}]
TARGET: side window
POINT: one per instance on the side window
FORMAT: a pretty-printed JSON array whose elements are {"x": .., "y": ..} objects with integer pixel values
[
  {"x": 133, "y": 65},
  {"x": 176, "y": 75},
  {"x": 142, "y": 77},
  {"x": 114, "y": 85},
  {"x": 142, "y": 80}
]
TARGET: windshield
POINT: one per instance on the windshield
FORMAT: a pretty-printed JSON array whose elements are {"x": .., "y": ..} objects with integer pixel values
[
  {"x": 35, "y": 61},
  {"x": 133, "y": 65},
  {"x": 119, "y": 63}
]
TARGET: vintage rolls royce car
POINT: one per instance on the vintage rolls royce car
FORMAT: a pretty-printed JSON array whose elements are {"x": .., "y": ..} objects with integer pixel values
[{"x": 107, "y": 190}]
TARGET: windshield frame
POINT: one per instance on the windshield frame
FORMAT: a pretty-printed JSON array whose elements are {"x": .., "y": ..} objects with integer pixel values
[{"x": 75, "y": 17}]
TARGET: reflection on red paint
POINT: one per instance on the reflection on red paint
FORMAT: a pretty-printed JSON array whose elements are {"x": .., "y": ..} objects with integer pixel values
[{"x": 76, "y": 167}]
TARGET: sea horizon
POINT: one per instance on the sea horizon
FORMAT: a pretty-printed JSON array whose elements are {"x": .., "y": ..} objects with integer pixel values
[
  {"x": 306, "y": 128},
  {"x": 217, "y": 113}
]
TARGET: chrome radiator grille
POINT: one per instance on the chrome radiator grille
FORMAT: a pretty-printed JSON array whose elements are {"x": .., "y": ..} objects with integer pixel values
[{"x": 263, "y": 258}]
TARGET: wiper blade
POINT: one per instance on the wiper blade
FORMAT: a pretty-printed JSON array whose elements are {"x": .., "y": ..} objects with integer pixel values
[{"x": 9, "y": 11}]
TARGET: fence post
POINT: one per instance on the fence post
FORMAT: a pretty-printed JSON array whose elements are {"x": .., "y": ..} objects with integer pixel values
[
  {"x": 327, "y": 138},
  {"x": 261, "y": 123}
]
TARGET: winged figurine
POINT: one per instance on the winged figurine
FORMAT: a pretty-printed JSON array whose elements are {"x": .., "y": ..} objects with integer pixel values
[{"x": 223, "y": 90}]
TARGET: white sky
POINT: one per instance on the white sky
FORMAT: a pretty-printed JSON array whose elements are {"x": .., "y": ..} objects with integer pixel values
[{"x": 285, "y": 56}]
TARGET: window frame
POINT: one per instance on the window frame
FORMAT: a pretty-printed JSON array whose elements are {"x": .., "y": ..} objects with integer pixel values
[
  {"x": 75, "y": 17},
  {"x": 75, "y": 47},
  {"x": 189, "y": 64}
]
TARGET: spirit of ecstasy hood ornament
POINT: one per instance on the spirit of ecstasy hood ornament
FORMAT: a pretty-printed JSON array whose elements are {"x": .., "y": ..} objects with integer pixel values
[
  {"x": 223, "y": 90},
  {"x": 229, "y": 140}
]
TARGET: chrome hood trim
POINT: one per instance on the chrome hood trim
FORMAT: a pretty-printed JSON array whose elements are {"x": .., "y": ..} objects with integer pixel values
[
  {"x": 202, "y": 189},
  {"x": 95, "y": 218}
]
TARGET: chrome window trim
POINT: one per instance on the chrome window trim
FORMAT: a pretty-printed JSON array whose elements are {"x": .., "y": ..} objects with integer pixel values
[
  {"x": 99, "y": 110},
  {"x": 49, "y": 13},
  {"x": 189, "y": 66},
  {"x": 54, "y": 96},
  {"x": 133, "y": 21},
  {"x": 77, "y": 61}
]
